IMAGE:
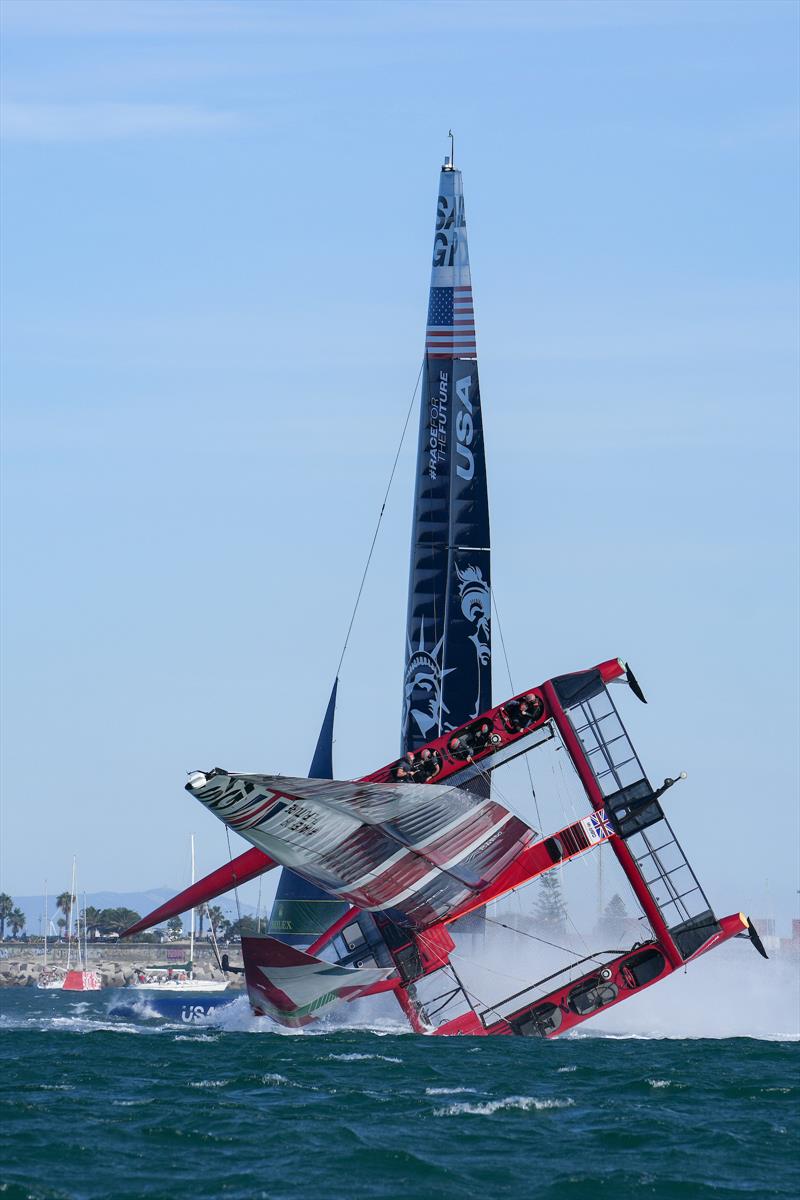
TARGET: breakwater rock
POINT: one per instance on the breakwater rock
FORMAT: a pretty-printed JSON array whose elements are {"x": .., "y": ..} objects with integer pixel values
[{"x": 113, "y": 969}]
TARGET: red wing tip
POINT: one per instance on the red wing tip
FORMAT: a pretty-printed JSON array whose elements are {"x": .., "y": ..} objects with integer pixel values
[{"x": 133, "y": 929}]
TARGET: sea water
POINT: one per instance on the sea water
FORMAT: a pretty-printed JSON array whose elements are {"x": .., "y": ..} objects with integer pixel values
[{"x": 99, "y": 1106}]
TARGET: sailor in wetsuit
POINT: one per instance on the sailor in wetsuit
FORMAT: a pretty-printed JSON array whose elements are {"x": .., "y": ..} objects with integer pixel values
[
  {"x": 523, "y": 712},
  {"x": 407, "y": 769},
  {"x": 430, "y": 765},
  {"x": 480, "y": 737},
  {"x": 472, "y": 741}
]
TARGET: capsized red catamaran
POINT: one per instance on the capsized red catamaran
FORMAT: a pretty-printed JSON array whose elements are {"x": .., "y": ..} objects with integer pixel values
[
  {"x": 397, "y": 857},
  {"x": 418, "y": 851}
]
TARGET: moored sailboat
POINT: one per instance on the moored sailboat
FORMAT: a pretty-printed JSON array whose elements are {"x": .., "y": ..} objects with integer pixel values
[
  {"x": 167, "y": 988},
  {"x": 79, "y": 978},
  {"x": 51, "y": 977}
]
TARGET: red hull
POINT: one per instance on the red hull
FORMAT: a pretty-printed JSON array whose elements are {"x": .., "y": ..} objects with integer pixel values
[{"x": 562, "y": 1010}]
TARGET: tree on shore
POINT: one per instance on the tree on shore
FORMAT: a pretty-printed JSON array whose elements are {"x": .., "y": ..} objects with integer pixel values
[
  {"x": 91, "y": 918},
  {"x": 175, "y": 928},
  {"x": 614, "y": 919},
  {"x": 551, "y": 911},
  {"x": 220, "y": 925},
  {"x": 114, "y": 920},
  {"x": 6, "y": 905},
  {"x": 244, "y": 927},
  {"x": 64, "y": 902},
  {"x": 16, "y": 921}
]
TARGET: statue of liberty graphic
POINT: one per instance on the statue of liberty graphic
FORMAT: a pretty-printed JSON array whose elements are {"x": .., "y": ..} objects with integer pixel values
[{"x": 476, "y": 605}]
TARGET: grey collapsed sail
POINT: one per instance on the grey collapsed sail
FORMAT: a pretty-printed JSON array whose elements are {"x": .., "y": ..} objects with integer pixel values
[{"x": 448, "y": 666}]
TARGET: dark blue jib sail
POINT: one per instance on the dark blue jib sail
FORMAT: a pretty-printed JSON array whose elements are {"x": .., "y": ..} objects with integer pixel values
[
  {"x": 448, "y": 671},
  {"x": 448, "y": 674},
  {"x": 301, "y": 912}
]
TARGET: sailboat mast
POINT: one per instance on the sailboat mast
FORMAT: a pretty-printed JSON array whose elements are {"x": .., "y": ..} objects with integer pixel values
[
  {"x": 448, "y": 672},
  {"x": 69, "y": 924},
  {"x": 45, "y": 924},
  {"x": 191, "y": 918},
  {"x": 85, "y": 935}
]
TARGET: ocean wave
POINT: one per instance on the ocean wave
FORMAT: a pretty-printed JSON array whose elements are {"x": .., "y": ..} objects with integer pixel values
[
  {"x": 661, "y": 1036},
  {"x": 362, "y": 1057},
  {"x": 444, "y": 1091},
  {"x": 523, "y": 1103}
]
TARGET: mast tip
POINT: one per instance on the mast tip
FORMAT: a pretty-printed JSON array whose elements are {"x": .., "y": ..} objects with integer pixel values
[{"x": 450, "y": 160}]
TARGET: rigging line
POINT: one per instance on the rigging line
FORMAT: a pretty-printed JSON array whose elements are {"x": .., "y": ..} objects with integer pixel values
[
  {"x": 567, "y": 802},
  {"x": 539, "y": 983},
  {"x": 460, "y": 985},
  {"x": 488, "y": 778},
  {"x": 214, "y": 937},
  {"x": 235, "y": 888},
  {"x": 511, "y": 685},
  {"x": 472, "y": 962},
  {"x": 468, "y": 992},
  {"x": 533, "y": 936},
  {"x": 380, "y": 518}
]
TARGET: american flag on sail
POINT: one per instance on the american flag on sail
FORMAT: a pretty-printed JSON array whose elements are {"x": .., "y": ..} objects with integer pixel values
[{"x": 451, "y": 323}]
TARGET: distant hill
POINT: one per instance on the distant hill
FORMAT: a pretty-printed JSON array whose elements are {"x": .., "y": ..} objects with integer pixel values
[{"x": 141, "y": 902}]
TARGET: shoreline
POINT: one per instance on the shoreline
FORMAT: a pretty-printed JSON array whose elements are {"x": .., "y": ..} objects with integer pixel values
[{"x": 116, "y": 965}]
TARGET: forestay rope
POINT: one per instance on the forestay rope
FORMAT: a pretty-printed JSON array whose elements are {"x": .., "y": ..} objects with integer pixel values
[
  {"x": 380, "y": 518},
  {"x": 358, "y": 594},
  {"x": 496, "y": 612}
]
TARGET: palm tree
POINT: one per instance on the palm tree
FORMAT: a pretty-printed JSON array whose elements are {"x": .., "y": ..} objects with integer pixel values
[
  {"x": 114, "y": 920},
  {"x": 16, "y": 919},
  {"x": 91, "y": 919},
  {"x": 215, "y": 916},
  {"x": 6, "y": 905},
  {"x": 175, "y": 928},
  {"x": 65, "y": 902}
]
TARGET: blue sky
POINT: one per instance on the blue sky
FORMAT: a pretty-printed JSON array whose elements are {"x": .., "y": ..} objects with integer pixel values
[{"x": 216, "y": 225}]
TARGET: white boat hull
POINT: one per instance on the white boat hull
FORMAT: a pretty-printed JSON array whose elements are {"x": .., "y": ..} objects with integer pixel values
[{"x": 183, "y": 986}]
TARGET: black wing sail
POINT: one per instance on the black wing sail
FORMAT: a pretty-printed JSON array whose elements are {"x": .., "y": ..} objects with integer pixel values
[{"x": 448, "y": 672}]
